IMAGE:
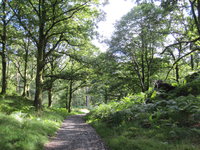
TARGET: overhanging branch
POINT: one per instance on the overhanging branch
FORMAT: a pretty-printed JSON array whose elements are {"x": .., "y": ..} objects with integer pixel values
[
  {"x": 195, "y": 49},
  {"x": 181, "y": 42}
]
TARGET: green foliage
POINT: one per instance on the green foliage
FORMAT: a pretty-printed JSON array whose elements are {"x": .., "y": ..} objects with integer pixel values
[
  {"x": 162, "y": 124},
  {"x": 10, "y": 104},
  {"x": 116, "y": 112},
  {"x": 23, "y": 128},
  {"x": 192, "y": 87}
]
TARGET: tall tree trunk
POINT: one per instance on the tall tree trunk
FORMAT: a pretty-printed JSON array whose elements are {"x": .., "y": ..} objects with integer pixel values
[
  {"x": 39, "y": 84},
  {"x": 192, "y": 61},
  {"x": 4, "y": 81},
  {"x": 67, "y": 95},
  {"x": 70, "y": 96},
  {"x": 25, "y": 71},
  {"x": 18, "y": 82},
  {"x": 177, "y": 72},
  {"x": 39, "y": 78},
  {"x": 143, "y": 64},
  {"x": 40, "y": 56},
  {"x": 28, "y": 90},
  {"x": 87, "y": 100},
  {"x": 3, "y": 54},
  {"x": 51, "y": 85},
  {"x": 87, "y": 97},
  {"x": 143, "y": 75}
]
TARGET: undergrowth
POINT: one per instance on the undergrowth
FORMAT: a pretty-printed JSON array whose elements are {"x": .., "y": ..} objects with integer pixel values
[
  {"x": 22, "y": 128},
  {"x": 171, "y": 121}
]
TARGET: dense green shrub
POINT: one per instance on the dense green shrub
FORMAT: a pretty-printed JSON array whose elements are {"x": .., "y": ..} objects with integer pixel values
[
  {"x": 189, "y": 88},
  {"x": 192, "y": 77},
  {"x": 182, "y": 111},
  {"x": 167, "y": 123}
]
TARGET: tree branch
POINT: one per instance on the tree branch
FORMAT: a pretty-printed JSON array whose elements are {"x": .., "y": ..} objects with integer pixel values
[
  {"x": 195, "y": 49},
  {"x": 194, "y": 15},
  {"x": 181, "y": 42},
  {"x": 24, "y": 26},
  {"x": 66, "y": 18},
  {"x": 54, "y": 46},
  {"x": 34, "y": 8},
  {"x": 18, "y": 69},
  {"x": 80, "y": 85}
]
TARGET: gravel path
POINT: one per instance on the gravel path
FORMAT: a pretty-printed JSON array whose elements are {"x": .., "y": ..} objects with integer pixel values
[{"x": 75, "y": 134}]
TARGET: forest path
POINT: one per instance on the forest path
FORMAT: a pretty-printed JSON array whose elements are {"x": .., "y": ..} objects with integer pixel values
[{"x": 75, "y": 134}]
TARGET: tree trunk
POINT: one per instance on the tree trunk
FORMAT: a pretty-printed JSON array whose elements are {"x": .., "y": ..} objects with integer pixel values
[
  {"x": 87, "y": 100},
  {"x": 39, "y": 78},
  {"x": 143, "y": 74},
  {"x": 177, "y": 73},
  {"x": 4, "y": 81},
  {"x": 38, "y": 92},
  {"x": 18, "y": 82},
  {"x": 50, "y": 86},
  {"x": 40, "y": 57},
  {"x": 70, "y": 96},
  {"x": 3, "y": 55},
  {"x": 87, "y": 97},
  {"x": 192, "y": 61},
  {"x": 28, "y": 90},
  {"x": 25, "y": 71},
  {"x": 67, "y": 94},
  {"x": 49, "y": 97},
  {"x": 143, "y": 48}
]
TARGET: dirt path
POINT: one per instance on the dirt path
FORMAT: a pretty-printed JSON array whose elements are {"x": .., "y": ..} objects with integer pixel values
[{"x": 75, "y": 134}]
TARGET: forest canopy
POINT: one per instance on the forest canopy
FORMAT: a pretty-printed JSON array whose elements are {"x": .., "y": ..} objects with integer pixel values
[{"x": 47, "y": 52}]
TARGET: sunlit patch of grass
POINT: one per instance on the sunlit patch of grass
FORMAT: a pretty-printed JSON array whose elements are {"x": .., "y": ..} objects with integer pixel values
[
  {"x": 22, "y": 128},
  {"x": 26, "y": 133}
]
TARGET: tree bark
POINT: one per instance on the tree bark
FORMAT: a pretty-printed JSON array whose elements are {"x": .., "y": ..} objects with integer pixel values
[
  {"x": 70, "y": 96},
  {"x": 40, "y": 56},
  {"x": 50, "y": 86},
  {"x": 4, "y": 81},
  {"x": 3, "y": 55},
  {"x": 38, "y": 92},
  {"x": 87, "y": 97},
  {"x": 25, "y": 87},
  {"x": 192, "y": 61},
  {"x": 39, "y": 76},
  {"x": 177, "y": 73}
]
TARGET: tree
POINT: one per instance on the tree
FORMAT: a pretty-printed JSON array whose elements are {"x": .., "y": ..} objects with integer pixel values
[
  {"x": 5, "y": 19},
  {"x": 50, "y": 23},
  {"x": 138, "y": 36},
  {"x": 184, "y": 29}
]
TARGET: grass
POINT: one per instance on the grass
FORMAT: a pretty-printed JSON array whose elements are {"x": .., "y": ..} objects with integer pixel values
[
  {"x": 24, "y": 129},
  {"x": 129, "y": 136}
]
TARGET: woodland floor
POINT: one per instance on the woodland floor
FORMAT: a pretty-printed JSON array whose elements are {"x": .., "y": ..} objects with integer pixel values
[{"x": 75, "y": 134}]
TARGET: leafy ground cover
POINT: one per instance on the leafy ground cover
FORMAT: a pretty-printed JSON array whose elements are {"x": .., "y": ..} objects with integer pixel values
[
  {"x": 170, "y": 122},
  {"x": 23, "y": 128}
]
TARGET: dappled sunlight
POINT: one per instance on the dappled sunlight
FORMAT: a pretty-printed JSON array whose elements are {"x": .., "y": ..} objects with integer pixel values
[{"x": 84, "y": 111}]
